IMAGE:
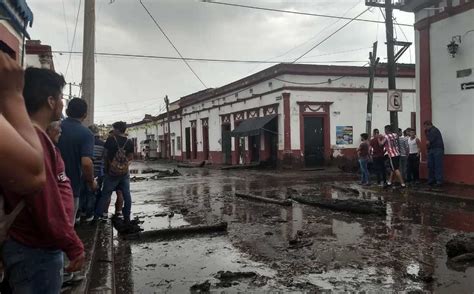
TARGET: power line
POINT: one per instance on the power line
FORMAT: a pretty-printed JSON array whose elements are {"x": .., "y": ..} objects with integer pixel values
[
  {"x": 309, "y": 40},
  {"x": 318, "y": 83},
  {"x": 73, "y": 36},
  {"x": 294, "y": 12},
  {"x": 169, "y": 40},
  {"x": 340, "y": 52},
  {"x": 332, "y": 34},
  {"x": 65, "y": 23},
  {"x": 126, "y": 55}
]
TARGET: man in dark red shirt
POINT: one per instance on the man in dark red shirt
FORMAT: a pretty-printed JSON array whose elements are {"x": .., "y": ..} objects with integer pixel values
[
  {"x": 33, "y": 252},
  {"x": 378, "y": 158}
]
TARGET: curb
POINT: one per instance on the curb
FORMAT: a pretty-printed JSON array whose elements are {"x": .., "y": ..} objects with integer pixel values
[
  {"x": 84, "y": 284},
  {"x": 102, "y": 274}
]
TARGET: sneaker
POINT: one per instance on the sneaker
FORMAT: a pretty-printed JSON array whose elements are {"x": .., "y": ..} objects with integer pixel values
[
  {"x": 78, "y": 220},
  {"x": 90, "y": 218}
]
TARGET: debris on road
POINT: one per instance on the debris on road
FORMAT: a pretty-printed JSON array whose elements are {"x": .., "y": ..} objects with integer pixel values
[
  {"x": 201, "y": 288},
  {"x": 192, "y": 165},
  {"x": 124, "y": 228},
  {"x": 137, "y": 179},
  {"x": 348, "y": 205},
  {"x": 264, "y": 199},
  {"x": 347, "y": 190},
  {"x": 184, "y": 230},
  {"x": 228, "y": 279},
  {"x": 243, "y": 166},
  {"x": 460, "y": 245}
]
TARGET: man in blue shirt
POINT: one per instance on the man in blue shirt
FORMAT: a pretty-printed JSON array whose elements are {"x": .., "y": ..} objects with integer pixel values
[
  {"x": 435, "y": 146},
  {"x": 77, "y": 146}
]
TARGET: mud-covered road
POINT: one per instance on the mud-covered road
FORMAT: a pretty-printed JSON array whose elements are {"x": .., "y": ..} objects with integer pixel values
[{"x": 297, "y": 248}]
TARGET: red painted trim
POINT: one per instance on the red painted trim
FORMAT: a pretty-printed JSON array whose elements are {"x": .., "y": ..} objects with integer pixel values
[
  {"x": 458, "y": 169},
  {"x": 448, "y": 12},
  {"x": 286, "y": 121},
  {"x": 10, "y": 40},
  {"x": 295, "y": 69},
  {"x": 326, "y": 126},
  {"x": 299, "y": 88},
  {"x": 425, "y": 83}
]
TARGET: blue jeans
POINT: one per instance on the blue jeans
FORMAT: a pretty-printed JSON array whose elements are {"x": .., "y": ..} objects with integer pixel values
[
  {"x": 87, "y": 200},
  {"x": 435, "y": 166},
  {"x": 364, "y": 171},
  {"x": 32, "y": 270},
  {"x": 111, "y": 184}
]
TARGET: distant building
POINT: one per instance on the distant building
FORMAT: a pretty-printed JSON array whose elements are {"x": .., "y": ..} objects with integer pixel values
[
  {"x": 444, "y": 33},
  {"x": 38, "y": 55},
  {"x": 15, "y": 17},
  {"x": 291, "y": 114}
]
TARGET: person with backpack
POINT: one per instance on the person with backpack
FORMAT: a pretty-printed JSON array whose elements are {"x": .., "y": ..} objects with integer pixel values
[
  {"x": 33, "y": 250},
  {"x": 118, "y": 153}
]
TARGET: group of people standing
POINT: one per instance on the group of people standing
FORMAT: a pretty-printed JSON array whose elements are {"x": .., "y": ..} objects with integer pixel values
[
  {"x": 51, "y": 171},
  {"x": 400, "y": 153}
]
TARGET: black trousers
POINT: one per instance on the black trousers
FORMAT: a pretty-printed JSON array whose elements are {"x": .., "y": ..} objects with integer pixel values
[
  {"x": 379, "y": 169},
  {"x": 413, "y": 173}
]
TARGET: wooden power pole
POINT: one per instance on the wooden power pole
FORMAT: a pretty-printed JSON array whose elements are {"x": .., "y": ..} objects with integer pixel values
[
  {"x": 168, "y": 141},
  {"x": 391, "y": 63},
  {"x": 374, "y": 60},
  {"x": 88, "y": 62}
]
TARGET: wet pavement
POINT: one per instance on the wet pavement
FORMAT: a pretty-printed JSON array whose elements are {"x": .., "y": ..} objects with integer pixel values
[{"x": 292, "y": 249}]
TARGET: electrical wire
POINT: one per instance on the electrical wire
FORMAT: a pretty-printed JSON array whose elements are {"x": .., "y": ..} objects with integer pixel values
[
  {"x": 126, "y": 55},
  {"x": 332, "y": 34},
  {"x": 293, "y": 12},
  {"x": 315, "y": 36},
  {"x": 65, "y": 23},
  {"x": 73, "y": 37},
  {"x": 169, "y": 40},
  {"x": 318, "y": 83}
]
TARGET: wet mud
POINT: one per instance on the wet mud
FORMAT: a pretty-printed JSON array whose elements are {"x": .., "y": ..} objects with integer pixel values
[{"x": 298, "y": 248}]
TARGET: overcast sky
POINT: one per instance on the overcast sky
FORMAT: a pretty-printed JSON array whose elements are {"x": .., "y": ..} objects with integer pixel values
[{"x": 127, "y": 88}]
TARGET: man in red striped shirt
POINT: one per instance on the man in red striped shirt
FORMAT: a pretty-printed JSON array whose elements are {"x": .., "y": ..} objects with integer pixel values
[{"x": 390, "y": 143}]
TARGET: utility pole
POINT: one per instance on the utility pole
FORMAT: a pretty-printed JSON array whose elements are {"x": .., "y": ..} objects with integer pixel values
[
  {"x": 374, "y": 60},
  {"x": 88, "y": 62},
  {"x": 70, "y": 91},
  {"x": 391, "y": 63},
  {"x": 168, "y": 142}
]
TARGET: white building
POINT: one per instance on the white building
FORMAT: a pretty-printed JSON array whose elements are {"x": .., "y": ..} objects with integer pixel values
[
  {"x": 445, "y": 80},
  {"x": 38, "y": 55},
  {"x": 295, "y": 114}
]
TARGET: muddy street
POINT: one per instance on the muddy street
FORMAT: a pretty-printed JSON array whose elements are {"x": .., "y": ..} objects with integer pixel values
[{"x": 296, "y": 248}]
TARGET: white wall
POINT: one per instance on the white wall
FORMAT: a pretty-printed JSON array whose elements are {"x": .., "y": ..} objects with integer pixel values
[
  {"x": 350, "y": 109},
  {"x": 32, "y": 60},
  {"x": 452, "y": 107},
  {"x": 351, "y": 106}
]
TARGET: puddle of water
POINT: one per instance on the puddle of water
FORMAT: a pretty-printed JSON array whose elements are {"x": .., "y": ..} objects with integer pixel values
[
  {"x": 159, "y": 267},
  {"x": 412, "y": 234},
  {"x": 368, "y": 279}
]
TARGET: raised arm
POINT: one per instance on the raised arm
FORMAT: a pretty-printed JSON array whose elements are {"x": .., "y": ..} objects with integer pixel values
[{"x": 21, "y": 153}]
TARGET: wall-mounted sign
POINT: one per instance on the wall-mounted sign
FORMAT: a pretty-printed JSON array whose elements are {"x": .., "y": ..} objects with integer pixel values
[
  {"x": 344, "y": 135},
  {"x": 467, "y": 86},
  {"x": 394, "y": 100}
]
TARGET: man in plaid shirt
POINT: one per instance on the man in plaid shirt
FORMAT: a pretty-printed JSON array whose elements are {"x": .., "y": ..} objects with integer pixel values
[{"x": 390, "y": 143}]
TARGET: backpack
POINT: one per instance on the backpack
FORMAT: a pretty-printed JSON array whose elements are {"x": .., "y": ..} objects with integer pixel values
[
  {"x": 119, "y": 164},
  {"x": 6, "y": 220}
]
